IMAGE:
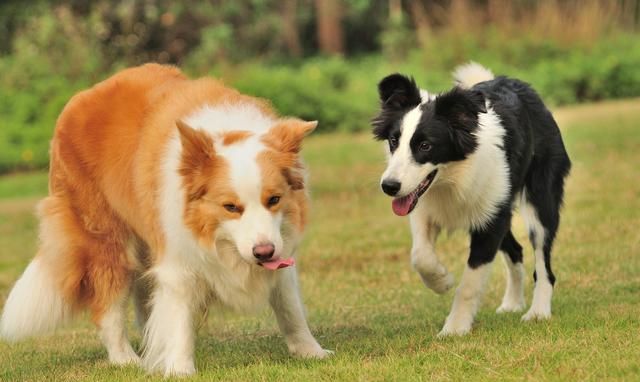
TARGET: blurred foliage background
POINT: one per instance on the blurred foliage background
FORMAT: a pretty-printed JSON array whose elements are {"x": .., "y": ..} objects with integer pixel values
[{"x": 317, "y": 59}]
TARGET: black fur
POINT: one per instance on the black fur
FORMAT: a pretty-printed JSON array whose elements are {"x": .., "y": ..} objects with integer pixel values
[
  {"x": 537, "y": 160},
  {"x": 398, "y": 94},
  {"x": 447, "y": 125},
  {"x": 512, "y": 248}
]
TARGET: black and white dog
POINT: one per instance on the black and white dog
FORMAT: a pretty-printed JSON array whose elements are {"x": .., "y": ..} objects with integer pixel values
[{"x": 464, "y": 160}]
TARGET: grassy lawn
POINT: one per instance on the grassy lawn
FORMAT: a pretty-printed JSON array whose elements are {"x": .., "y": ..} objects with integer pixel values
[{"x": 366, "y": 303}]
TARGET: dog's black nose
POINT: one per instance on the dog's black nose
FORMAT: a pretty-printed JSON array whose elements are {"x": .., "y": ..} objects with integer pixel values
[
  {"x": 264, "y": 252},
  {"x": 391, "y": 186}
]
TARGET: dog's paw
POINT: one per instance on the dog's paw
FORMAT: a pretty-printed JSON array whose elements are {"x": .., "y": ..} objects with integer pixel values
[
  {"x": 309, "y": 350},
  {"x": 537, "y": 315},
  {"x": 124, "y": 357},
  {"x": 511, "y": 307},
  {"x": 327, "y": 353},
  {"x": 170, "y": 368},
  {"x": 456, "y": 326},
  {"x": 451, "y": 331},
  {"x": 180, "y": 369},
  {"x": 439, "y": 283}
]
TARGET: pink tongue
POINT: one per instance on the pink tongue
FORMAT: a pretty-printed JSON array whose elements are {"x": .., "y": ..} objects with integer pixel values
[
  {"x": 280, "y": 263},
  {"x": 402, "y": 206}
]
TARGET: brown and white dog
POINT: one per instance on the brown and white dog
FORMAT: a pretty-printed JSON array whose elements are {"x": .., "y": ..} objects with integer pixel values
[{"x": 181, "y": 192}]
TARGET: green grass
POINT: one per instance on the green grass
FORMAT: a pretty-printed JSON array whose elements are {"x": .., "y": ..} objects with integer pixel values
[
  {"x": 23, "y": 185},
  {"x": 364, "y": 301}
]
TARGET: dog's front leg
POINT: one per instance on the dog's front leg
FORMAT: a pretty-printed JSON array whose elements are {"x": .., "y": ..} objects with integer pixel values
[
  {"x": 287, "y": 306},
  {"x": 169, "y": 334},
  {"x": 423, "y": 255},
  {"x": 484, "y": 245}
]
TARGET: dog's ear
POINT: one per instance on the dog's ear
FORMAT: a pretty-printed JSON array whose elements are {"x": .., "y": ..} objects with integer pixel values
[
  {"x": 398, "y": 92},
  {"x": 286, "y": 139},
  {"x": 197, "y": 147},
  {"x": 460, "y": 108},
  {"x": 197, "y": 159},
  {"x": 287, "y": 135}
]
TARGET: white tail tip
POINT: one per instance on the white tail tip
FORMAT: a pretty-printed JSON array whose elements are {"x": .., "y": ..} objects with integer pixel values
[
  {"x": 467, "y": 75},
  {"x": 34, "y": 306}
]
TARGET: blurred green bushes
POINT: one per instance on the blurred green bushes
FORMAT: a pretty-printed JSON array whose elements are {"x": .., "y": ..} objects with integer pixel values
[
  {"x": 342, "y": 94},
  {"x": 49, "y": 62},
  {"x": 54, "y": 55}
]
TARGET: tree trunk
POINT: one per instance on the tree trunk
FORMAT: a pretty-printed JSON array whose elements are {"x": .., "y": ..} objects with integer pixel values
[
  {"x": 395, "y": 10},
  {"x": 290, "y": 28},
  {"x": 421, "y": 22},
  {"x": 329, "y": 24}
]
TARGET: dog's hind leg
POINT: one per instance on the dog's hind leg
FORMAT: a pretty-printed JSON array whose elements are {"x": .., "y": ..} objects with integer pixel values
[
  {"x": 540, "y": 206},
  {"x": 142, "y": 290},
  {"x": 112, "y": 324},
  {"x": 108, "y": 276},
  {"x": 142, "y": 283},
  {"x": 85, "y": 246},
  {"x": 423, "y": 255},
  {"x": 484, "y": 246},
  {"x": 513, "y": 299},
  {"x": 542, "y": 223},
  {"x": 287, "y": 306}
]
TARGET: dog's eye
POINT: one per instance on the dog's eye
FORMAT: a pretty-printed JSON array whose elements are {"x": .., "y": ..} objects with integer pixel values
[
  {"x": 273, "y": 201},
  {"x": 232, "y": 208},
  {"x": 393, "y": 143},
  {"x": 424, "y": 146}
]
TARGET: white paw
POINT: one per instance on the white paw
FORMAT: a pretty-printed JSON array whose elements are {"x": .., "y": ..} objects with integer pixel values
[
  {"x": 124, "y": 357},
  {"x": 170, "y": 368},
  {"x": 439, "y": 283},
  {"x": 450, "y": 332},
  {"x": 310, "y": 350},
  {"x": 511, "y": 306},
  {"x": 537, "y": 315},
  {"x": 179, "y": 369},
  {"x": 455, "y": 329}
]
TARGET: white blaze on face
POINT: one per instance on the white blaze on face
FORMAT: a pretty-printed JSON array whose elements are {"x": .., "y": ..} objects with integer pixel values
[
  {"x": 402, "y": 167},
  {"x": 257, "y": 225}
]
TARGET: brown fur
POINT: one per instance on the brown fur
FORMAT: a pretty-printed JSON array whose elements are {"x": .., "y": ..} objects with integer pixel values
[
  {"x": 235, "y": 137},
  {"x": 276, "y": 169},
  {"x": 286, "y": 139},
  {"x": 105, "y": 178}
]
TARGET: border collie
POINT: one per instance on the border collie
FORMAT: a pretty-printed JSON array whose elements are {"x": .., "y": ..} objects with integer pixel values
[
  {"x": 465, "y": 159},
  {"x": 183, "y": 192}
]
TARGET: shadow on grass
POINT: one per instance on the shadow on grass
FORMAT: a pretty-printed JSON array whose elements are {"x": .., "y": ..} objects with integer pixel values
[{"x": 385, "y": 335}]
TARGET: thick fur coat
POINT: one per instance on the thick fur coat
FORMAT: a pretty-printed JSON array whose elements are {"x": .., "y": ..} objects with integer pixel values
[
  {"x": 465, "y": 159},
  {"x": 184, "y": 193}
]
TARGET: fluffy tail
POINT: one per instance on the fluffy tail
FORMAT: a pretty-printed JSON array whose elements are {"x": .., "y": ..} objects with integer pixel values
[
  {"x": 34, "y": 306},
  {"x": 467, "y": 75}
]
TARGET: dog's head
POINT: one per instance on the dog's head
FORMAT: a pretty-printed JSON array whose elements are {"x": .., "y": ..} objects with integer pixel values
[
  {"x": 245, "y": 189},
  {"x": 423, "y": 136}
]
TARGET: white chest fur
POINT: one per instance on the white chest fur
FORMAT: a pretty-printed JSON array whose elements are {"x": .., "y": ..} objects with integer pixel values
[{"x": 467, "y": 194}]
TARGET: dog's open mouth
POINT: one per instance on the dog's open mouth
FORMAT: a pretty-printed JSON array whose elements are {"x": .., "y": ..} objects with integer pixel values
[
  {"x": 404, "y": 205},
  {"x": 277, "y": 263}
]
